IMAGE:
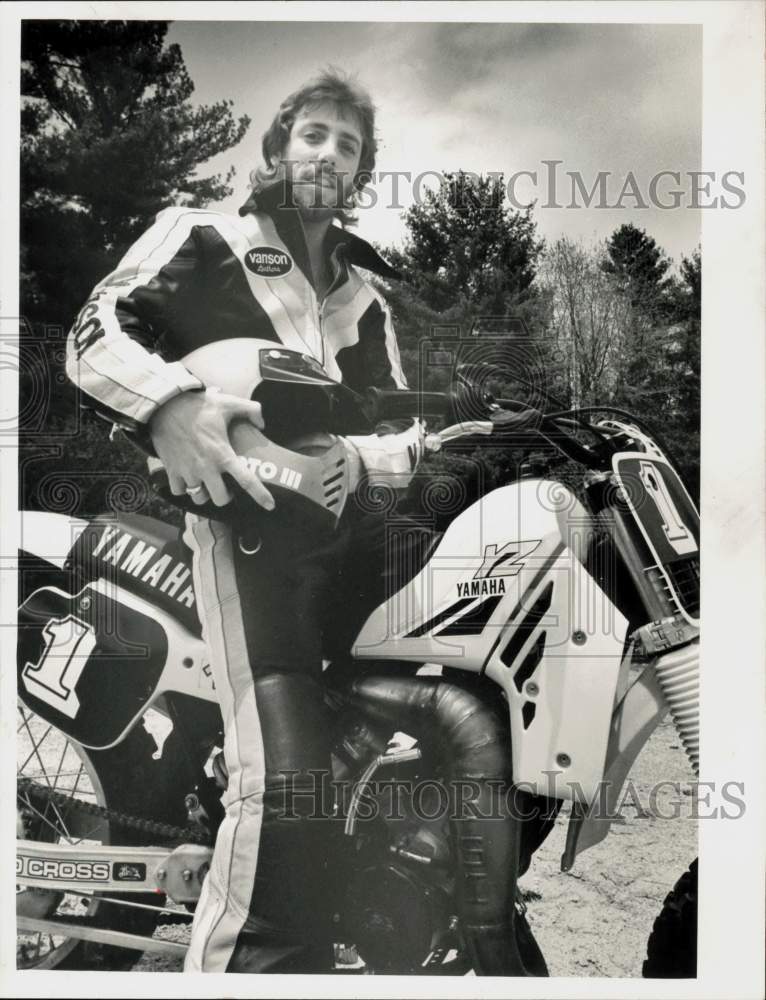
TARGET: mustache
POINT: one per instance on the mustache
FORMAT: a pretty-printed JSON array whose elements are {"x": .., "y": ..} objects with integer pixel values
[
  {"x": 324, "y": 177},
  {"x": 315, "y": 173}
]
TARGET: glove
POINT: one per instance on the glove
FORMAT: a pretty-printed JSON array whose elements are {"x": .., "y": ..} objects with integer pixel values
[{"x": 390, "y": 459}]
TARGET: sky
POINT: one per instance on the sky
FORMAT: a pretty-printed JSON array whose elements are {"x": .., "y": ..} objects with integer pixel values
[{"x": 481, "y": 98}]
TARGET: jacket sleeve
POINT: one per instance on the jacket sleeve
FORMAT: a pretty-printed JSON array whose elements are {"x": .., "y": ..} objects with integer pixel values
[
  {"x": 391, "y": 458},
  {"x": 112, "y": 347}
]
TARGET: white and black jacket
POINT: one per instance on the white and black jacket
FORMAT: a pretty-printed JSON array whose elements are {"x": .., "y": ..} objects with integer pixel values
[{"x": 198, "y": 276}]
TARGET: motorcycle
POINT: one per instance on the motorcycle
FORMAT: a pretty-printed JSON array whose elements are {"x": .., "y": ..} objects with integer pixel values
[{"x": 523, "y": 662}]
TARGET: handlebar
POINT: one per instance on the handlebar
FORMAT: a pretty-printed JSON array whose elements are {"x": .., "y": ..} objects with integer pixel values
[
  {"x": 468, "y": 409},
  {"x": 483, "y": 416},
  {"x": 393, "y": 404}
]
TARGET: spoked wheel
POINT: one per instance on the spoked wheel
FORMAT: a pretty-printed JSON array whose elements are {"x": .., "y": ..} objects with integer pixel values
[{"x": 46, "y": 757}]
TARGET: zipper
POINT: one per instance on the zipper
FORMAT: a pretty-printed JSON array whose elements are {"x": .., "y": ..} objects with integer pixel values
[
  {"x": 320, "y": 318},
  {"x": 337, "y": 270}
]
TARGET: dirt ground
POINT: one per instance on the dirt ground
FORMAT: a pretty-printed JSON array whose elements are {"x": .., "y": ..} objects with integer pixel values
[{"x": 595, "y": 920}]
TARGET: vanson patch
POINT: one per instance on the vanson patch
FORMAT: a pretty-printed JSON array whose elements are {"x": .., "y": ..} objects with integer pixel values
[{"x": 268, "y": 262}]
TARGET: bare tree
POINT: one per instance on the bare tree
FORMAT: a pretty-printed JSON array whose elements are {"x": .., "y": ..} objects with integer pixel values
[{"x": 590, "y": 316}]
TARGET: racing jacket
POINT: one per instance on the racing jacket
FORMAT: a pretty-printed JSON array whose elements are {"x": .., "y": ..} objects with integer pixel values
[{"x": 197, "y": 276}]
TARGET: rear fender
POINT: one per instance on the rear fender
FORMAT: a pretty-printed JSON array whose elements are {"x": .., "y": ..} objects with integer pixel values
[
  {"x": 46, "y": 539},
  {"x": 48, "y": 536}
]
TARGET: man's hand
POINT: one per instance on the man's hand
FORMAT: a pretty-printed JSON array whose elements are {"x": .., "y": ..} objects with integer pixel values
[{"x": 190, "y": 433}]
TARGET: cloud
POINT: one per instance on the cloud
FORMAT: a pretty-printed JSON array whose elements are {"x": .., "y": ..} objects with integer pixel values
[{"x": 482, "y": 97}]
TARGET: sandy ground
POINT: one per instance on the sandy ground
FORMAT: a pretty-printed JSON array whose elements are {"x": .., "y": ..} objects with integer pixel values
[{"x": 595, "y": 920}]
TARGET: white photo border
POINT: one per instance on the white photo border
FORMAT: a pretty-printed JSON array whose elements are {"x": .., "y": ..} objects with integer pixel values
[{"x": 731, "y": 931}]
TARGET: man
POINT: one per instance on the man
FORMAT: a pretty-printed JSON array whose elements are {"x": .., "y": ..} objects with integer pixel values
[{"x": 197, "y": 277}]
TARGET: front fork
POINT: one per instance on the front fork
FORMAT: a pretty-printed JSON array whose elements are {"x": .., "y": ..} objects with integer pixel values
[{"x": 677, "y": 674}]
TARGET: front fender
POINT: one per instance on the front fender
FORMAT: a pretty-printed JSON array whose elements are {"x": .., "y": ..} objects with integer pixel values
[{"x": 635, "y": 719}]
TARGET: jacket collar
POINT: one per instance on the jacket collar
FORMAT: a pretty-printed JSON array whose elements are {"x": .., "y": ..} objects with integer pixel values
[{"x": 353, "y": 248}]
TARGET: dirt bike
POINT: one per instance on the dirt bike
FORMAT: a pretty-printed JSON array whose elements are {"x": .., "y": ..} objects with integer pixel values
[{"x": 523, "y": 663}]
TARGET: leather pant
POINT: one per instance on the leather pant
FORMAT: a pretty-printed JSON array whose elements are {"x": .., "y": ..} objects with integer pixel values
[{"x": 269, "y": 618}]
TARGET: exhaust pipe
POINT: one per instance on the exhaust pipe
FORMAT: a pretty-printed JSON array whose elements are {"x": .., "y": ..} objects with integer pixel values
[{"x": 470, "y": 727}]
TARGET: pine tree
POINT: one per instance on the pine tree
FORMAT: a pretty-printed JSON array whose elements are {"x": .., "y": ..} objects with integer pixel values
[
  {"x": 638, "y": 267},
  {"x": 109, "y": 137},
  {"x": 469, "y": 263},
  {"x": 464, "y": 241},
  {"x": 685, "y": 357}
]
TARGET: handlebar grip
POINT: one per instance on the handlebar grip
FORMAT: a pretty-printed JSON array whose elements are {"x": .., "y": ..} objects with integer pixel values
[{"x": 393, "y": 404}]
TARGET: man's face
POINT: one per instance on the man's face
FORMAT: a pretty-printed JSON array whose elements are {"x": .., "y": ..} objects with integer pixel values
[{"x": 322, "y": 158}]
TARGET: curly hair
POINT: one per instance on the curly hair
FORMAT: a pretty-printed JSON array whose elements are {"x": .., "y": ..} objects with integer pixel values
[{"x": 331, "y": 86}]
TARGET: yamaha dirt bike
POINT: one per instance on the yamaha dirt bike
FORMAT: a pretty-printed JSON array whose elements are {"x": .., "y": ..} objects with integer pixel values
[{"x": 524, "y": 663}]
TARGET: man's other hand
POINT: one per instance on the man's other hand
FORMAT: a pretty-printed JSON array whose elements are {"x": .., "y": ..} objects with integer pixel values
[{"x": 190, "y": 433}]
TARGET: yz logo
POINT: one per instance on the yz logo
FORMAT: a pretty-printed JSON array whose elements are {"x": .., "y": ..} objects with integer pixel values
[
  {"x": 506, "y": 561},
  {"x": 69, "y": 643},
  {"x": 676, "y": 532}
]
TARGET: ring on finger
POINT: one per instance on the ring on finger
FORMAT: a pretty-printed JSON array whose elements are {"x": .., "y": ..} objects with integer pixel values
[{"x": 193, "y": 491}]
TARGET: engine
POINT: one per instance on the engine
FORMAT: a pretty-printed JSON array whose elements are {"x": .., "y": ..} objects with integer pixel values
[
  {"x": 397, "y": 907},
  {"x": 437, "y": 867},
  {"x": 397, "y": 919}
]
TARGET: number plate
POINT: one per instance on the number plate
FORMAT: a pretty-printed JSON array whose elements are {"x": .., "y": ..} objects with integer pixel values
[
  {"x": 669, "y": 522},
  {"x": 86, "y": 663}
]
